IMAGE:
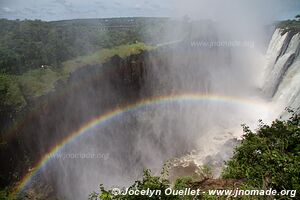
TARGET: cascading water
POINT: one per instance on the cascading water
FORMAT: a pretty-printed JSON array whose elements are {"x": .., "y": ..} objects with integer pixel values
[{"x": 283, "y": 72}]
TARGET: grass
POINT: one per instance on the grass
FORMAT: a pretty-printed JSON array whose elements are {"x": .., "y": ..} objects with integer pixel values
[
  {"x": 38, "y": 82},
  {"x": 103, "y": 55}
]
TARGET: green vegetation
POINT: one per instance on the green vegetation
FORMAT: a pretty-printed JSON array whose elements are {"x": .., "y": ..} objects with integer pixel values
[
  {"x": 38, "y": 82},
  {"x": 103, "y": 55},
  {"x": 11, "y": 100},
  {"x": 10, "y": 94},
  {"x": 35, "y": 55},
  {"x": 267, "y": 158},
  {"x": 6, "y": 194},
  {"x": 17, "y": 90},
  {"x": 290, "y": 25},
  {"x": 26, "y": 45}
]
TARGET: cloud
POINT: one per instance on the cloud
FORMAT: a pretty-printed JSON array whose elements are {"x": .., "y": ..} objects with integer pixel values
[
  {"x": 117, "y": 3},
  {"x": 155, "y": 6},
  {"x": 137, "y": 6},
  {"x": 67, "y": 5},
  {"x": 100, "y": 5},
  {"x": 8, "y": 10},
  {"x": 30, "y": 10}
]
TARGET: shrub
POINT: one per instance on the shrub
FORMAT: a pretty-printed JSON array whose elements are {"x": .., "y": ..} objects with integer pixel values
[{"x": 269, "y": 157}]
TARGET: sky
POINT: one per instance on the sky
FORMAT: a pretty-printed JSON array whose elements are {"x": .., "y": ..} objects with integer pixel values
[{"x": 50, "y": 10}]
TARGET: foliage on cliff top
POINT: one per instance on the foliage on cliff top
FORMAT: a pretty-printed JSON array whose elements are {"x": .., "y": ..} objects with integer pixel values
[
  {"x": 290, "y": 25},
  {"x": 103, "y": 55},
  {"x": 38, "y": 82}
]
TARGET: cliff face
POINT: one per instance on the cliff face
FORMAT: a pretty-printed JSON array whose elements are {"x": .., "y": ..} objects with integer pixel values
[
  {"x": 90, "y": 91},
  {"x": 282, "y": 75}
]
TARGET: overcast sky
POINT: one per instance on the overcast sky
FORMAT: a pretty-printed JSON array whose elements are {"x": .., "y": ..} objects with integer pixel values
[{"x": 71, "y": 9}]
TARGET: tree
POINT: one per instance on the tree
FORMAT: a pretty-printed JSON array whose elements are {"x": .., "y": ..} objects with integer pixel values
[
  {"x": 269, "y": 157},
  {"x": 11, "y": 100}
]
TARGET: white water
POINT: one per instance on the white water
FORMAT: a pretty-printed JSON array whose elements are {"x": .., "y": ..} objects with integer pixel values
[
  {"x": 285, "y": 73},
  {"x": 280, "y": 56},
  {"x": 280, "y": 85}
]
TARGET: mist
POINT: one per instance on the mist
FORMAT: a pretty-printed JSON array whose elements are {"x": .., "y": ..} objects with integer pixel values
[{"x": 219, "y": 49}]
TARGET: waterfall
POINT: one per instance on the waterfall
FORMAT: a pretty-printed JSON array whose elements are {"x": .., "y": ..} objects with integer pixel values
[{"x": 282, "y": 73}]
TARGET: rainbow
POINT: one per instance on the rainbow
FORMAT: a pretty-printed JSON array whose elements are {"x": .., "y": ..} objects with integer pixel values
[{"x": 117, "y": 112}]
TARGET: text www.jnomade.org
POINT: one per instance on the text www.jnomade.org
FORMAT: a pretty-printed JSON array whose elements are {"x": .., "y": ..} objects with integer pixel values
[{"x": 197, "y": 192}]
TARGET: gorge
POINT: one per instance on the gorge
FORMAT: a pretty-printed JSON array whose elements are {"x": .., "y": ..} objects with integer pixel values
[{"x": 177, "y": 102}]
